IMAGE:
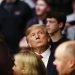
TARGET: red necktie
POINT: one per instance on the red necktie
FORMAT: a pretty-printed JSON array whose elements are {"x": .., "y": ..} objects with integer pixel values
[{"x": 40, "y": 56}]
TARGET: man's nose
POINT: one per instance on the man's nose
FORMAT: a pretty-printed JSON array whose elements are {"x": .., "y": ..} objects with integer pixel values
[{"x": 37, "y": 36}]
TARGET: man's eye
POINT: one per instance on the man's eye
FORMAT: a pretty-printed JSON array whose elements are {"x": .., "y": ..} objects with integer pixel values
[
  {"x": 52, "y": 21},
  {"x": 42, "y": 33},
  {"x": 32, "y": 34}
]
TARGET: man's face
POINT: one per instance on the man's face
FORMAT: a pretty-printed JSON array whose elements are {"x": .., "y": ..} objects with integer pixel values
[
  {"x": 41, "y": 8},
  {"x": 61, "y": 63},
  {"x": 37, "y": 37},
  {"x": 52, "y": 25}
]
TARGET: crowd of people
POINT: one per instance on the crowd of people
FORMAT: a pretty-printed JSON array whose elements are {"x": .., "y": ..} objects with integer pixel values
[{"x": 37, "y": 37}]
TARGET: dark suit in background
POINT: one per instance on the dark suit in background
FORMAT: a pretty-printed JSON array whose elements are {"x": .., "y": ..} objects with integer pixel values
[
  {"x": 13, "y": 17},
  {"x": 35, "y": 20},
  {"x": 51, "y": 69}
]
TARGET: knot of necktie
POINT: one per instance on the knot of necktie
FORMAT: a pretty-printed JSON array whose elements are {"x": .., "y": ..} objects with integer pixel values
[{"x": 40, "y": 56}]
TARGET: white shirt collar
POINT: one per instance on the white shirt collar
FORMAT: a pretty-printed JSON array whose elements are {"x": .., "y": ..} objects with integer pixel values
[
  {"x": 40, "y": 22},
  {"x": 46, "y": 55}
]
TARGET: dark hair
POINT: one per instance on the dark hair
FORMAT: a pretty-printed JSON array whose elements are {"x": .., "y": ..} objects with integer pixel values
[
  {"x": 59, "y": 16},
  {"x": 5, "y": 59},
  {"x": 47, "y": 2}
]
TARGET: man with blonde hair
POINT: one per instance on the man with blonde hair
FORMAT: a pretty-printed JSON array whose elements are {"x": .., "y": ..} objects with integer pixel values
[
  {"x": 39, "y": 41},
  {"x": 65, "y": 58}
]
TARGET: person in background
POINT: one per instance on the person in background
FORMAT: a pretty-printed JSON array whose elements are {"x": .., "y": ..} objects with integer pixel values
[
  {"x": 65, "y": 58},
  {"x": 70, "y": 23},
  {"x": 71, "y": 16},
  {"x": 6, "y": 62},
  {"x": 42, "y": 8},
  {"x": 39, "y": 42},
  {"x": 28, "y": 63},
  {"x": 13, "y": 17},
  {"x": 55, "y": 25},
  {"x": 71, "y": 32}
]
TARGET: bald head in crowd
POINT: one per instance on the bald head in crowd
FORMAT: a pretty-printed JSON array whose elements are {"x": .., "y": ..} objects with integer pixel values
[{"x": 65, "y": 58}]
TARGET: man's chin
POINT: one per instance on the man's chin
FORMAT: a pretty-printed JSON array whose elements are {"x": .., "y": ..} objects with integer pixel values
[
  {"x": 39, "y": 14},
  {"x": 40, "y": 45},
  {"x": 49, "y": 32}
]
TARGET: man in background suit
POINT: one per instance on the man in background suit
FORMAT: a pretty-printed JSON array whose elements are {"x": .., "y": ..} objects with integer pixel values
[
  {"x": 42, "y": 8},
  {"x": 13, "y": 16}
]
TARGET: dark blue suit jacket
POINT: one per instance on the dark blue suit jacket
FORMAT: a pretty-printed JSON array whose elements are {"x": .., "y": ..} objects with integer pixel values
[
  {"x": 34, "y": 21},
  {"x": 50, "y": 67}
]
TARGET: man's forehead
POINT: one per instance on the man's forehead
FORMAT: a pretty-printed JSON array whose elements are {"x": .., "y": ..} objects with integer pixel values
[
  {"x": 58, "y": 53},
  {"x": 35, "y": 29},
  {"x": 51, "y": 19},
  {"x": 60, "y": 50}
]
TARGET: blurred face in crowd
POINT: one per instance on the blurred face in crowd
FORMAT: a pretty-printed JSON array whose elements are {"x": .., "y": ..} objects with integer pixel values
[
  {"x": 10, "y": 1},
  {"x": 63, "y": 62},
  {"x": 52, "y": 25},
  {"x": 41, "y": 8},
  {"x": 17, "y": 68},
  {"x": 38, "y": 37}
]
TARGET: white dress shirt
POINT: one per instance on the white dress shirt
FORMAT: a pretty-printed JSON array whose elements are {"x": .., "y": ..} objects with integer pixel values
[
  {"x": 45, "y": 56},
  {"x": 41, "y": 22}
]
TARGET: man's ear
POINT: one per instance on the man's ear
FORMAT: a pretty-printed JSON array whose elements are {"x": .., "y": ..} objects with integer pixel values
[
  {"x": 71, "y": 63},
  {"x": 60, "y": 25}
]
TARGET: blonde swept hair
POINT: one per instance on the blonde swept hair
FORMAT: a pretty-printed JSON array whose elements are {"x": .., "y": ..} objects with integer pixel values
[
  {"x": 30, "y": 63},
  {"x": 33, "y": 27},
  {"x": 42, "y": 26}
]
